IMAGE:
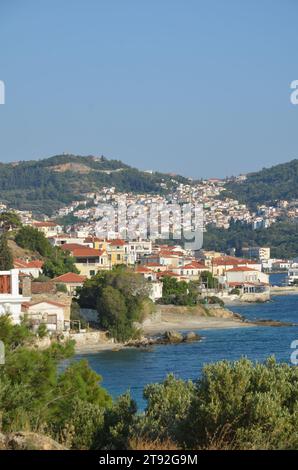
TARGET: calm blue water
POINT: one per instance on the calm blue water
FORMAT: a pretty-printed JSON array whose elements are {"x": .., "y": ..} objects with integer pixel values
[{"x": 133, "y": 369}]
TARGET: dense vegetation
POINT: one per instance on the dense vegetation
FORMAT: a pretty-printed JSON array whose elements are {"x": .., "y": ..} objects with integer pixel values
[
  {"x": 281, "y": 237},
  {"x": 179, "y": 292},
  {"x": 56, "y": 260},
  {"x": 42, "y": 187},
  {"x": 238, "y": 405},
  {"x": 267, "y": 185},
  {"x": 34, "y": 396},
  {"x": 121, "y": 298}
]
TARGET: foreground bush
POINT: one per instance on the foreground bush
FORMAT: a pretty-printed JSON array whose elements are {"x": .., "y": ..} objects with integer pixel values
[{"x": 233, "y": 405}]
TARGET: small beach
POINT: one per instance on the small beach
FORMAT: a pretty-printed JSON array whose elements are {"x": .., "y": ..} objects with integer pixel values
[{"x": 170, "y": 321}]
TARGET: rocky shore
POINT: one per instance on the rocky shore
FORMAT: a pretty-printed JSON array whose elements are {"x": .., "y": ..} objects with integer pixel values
[
  {"x": 168, "y": 323},
  {"x": 169, "y": 337}
]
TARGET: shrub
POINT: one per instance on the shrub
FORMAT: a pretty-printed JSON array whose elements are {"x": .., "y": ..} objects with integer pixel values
[{"x": 42, "y": 330}]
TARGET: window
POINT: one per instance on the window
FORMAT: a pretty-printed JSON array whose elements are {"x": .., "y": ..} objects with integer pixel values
[
  {"x": 118, "y": 257},
  {"x": 92, "y": 272},
  {"x": 52, "y": 319}
]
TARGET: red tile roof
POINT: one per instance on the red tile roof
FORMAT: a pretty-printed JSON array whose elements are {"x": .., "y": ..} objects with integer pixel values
[
  {"x": 230, "y": 261},
  {"x": 194, "y": 265},
  {"x": 167, "y": 273},
  {"x": 117, "y": 242},
  {"x": 19, "y": 264},
  {"x": 44, "y": 224},
  {"x": 72, "y": 246},
  {"x": 79, "y": 251},
  {"x": 86, "y": 251},
  {"x": 168, "y": 254},
  {"x": 143, "y": 269},
  {"x": 70, "y": 278},
  {"x": 241, "y": 269},
  {"x": 51, "y": 302}
]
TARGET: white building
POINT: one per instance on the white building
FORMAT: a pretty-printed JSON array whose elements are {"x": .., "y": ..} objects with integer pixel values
[
  {"x": 10, "y": 298},
  {"x": 245, "y": 275},
  {"x": 47, "y": 312}
]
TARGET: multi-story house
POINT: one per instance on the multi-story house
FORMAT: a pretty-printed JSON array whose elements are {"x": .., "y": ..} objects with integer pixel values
[{"x": 88, "y": 260}]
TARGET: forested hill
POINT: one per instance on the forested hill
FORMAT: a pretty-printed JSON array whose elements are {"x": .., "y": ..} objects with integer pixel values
[
  {"x": 267, "y": 185},
  {"x": 45, "y": 185}
]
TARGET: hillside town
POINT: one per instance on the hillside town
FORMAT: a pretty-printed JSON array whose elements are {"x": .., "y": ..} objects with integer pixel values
[{"x": 243, "y": 278}]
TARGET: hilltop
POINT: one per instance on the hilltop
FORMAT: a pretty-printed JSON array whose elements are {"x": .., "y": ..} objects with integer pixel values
[
  {"x": 44, "y": 186},
  {"x": 267, "y": 186}
]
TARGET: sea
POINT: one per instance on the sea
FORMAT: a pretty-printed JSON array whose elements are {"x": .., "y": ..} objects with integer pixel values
[{"x": 133, "y": 369}]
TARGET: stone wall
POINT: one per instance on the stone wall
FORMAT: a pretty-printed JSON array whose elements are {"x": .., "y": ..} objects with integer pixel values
[{"x": 90, "y": 338}]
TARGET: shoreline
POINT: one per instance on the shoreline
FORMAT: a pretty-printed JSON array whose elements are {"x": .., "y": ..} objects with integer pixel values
[{"x": 159, "y": 327}]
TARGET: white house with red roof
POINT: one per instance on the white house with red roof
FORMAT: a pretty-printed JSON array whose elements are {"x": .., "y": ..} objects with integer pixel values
[
  {"x": 152, "y": 277},
  {"x": 241, "y": 275},
  {"x": 71, "y": 281},
  {"x": 88, "y": 260},
  {"x": 146, "y": 272},
  {"x": 220, "y": 265},
  {"x": 31, "y": 268},
  {"x": 47, "y": 312},
  {"x": 191, "y": 270},
  {"x": 49, "y": 228}
]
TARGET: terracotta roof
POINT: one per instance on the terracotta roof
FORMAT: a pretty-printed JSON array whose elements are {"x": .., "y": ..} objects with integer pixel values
[
  {"x": 241, "y": 269},
  {"x": 194, "y": 265},
  {"x": 168, "y": 254},
  {"x": 117, "y": 242},
  {"x": 79, "y": 251},
  {"x": 19, "y": 264},
  {"x": 51, "y": 302},
  {"x": 72, "y": 246},
  {"x": 86, "y": 251},
  {"x": 70, "y": 278},
  {"x": 143, "y": 269},
  {"x": 167, "y": 273},
  {"x": 230, "y": 260},
  {"x": 45, "y": 224}
]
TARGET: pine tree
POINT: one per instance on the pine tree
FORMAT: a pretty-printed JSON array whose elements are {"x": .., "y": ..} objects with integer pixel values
[{"x": 6, "y": 259}]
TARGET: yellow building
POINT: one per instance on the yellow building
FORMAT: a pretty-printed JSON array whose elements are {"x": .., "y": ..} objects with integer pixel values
[
  {"x": 118, "y": 252},
  {"x": 88, "y": 260}
]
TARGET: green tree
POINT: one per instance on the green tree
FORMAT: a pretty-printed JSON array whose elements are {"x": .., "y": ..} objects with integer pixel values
[
  {"x": 36, "y": 396},
  {"x": 6, "y": 259},
  {"x": 168, "y": 404},
  {"x": 119, "y": 421},
  {"x": 9, "y": 221},
  {"x": 178, "y": 292},
  {"x": 57, "y": 261},
  {"x": 121, "y": 298}
]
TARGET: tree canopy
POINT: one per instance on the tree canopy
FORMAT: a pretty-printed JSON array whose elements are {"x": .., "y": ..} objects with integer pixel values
[{"x": 119, "y": 296}]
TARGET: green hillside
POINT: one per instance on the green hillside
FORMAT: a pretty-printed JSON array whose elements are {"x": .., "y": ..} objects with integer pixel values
[
  {"x": 45, "y": 185},
  {"x": 267, "y": 185}
]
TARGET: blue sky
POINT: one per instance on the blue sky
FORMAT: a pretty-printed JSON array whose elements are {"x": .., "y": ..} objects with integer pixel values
[{"x": 196, "y": 87}]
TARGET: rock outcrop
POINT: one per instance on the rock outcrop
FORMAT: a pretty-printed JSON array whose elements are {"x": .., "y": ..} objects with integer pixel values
[
  {"x": 28, "y": 441},
  {"x": 169, "y": 337}
]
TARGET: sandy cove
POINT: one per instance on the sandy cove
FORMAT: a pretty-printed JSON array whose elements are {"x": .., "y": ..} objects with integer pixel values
[{"x": 174, "y": 318}]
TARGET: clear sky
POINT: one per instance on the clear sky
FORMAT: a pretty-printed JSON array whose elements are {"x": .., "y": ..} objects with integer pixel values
[{"x": 196, "y": 87}]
